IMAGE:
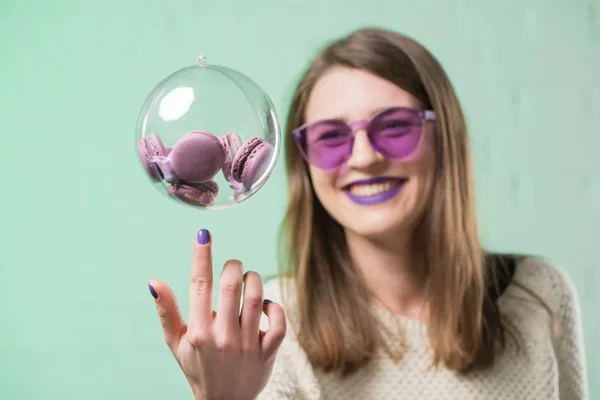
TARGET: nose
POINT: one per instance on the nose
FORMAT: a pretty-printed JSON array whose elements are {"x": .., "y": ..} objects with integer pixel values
[{"x": 363, "y": 154}]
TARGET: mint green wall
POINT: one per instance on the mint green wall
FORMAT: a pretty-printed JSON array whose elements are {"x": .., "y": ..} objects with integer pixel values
[{"x": 82, "y": 230}]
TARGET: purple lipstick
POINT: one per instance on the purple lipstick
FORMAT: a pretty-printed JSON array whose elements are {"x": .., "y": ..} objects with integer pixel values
[{"x": 364, "y": 196}]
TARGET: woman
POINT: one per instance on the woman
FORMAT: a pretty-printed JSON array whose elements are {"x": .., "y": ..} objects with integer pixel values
[{"x": 386, "y": 288}]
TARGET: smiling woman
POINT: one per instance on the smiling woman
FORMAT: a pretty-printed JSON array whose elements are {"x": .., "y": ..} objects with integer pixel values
[
  {"x": 383, "y": 275},
  {"x": 382, "y": 158}
]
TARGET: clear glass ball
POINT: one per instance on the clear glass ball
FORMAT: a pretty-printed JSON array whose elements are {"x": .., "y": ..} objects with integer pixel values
[{"x": 208, "y": 136}]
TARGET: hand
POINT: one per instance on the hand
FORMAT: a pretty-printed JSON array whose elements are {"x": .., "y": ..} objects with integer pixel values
[{"x": 223, "y": 354}]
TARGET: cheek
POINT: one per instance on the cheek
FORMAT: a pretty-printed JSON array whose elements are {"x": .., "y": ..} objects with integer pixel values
[
  {"x": 422, "y": 165},
  {"x": 323, "y": 183},
  {"x": 421, "y": 174}
]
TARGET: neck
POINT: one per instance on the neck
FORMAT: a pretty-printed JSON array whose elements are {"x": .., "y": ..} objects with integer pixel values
[{"x": 391, "y": 273}]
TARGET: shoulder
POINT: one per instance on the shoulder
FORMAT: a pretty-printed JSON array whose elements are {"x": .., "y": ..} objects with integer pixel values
[
  {"x": 546, "y": 279},
  {"x": 539, "y": 281},
  {"x": 555, "y": 287}
]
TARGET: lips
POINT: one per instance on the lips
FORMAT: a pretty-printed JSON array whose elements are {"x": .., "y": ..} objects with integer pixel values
[{"x": 373, "y": 191}]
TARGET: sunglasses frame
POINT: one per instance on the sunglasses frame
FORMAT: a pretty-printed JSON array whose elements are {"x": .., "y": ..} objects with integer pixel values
[{"x": 299, "y": 137}]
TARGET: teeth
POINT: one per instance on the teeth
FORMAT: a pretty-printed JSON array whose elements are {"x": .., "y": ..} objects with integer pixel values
[{"x": 373, "y": 188}]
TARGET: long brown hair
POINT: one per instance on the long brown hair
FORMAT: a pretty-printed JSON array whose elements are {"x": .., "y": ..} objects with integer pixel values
[{"x": 335, "y": 324}]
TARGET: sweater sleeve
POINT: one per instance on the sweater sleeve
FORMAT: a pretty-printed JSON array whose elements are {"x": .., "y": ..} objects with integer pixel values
[{"x": 569, "y": 343}]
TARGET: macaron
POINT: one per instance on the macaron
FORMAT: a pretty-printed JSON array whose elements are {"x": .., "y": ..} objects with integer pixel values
[
  {"x": 195, "y": 193},
  {"x": 231, "y": 143},
  {"x": 250, "y": 161},
  {"x": 148, "y": 149},
  {"x": 197, "y": 157}
]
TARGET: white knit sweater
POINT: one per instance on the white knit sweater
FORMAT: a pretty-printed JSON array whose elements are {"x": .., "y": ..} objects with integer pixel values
[{"x": 550, "y": 368}]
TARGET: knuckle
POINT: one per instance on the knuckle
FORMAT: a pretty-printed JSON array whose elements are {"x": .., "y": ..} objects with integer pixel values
[
  {"x": 231, "y": 286},
  {"x": 254, "y": 301},
  {"x": 225, "y": 344},
  {"x": 200, "y": 284},
  {"x": 250, "y": 348},
  {"x": 163, "y": 314},
  {"x": 199, "y": 339}
]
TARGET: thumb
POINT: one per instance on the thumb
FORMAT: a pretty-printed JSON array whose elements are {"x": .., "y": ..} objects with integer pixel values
[{"x": 168, "y": 313}]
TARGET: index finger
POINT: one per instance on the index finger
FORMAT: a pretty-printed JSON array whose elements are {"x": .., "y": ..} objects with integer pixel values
[{"x": 201, "y": 281}]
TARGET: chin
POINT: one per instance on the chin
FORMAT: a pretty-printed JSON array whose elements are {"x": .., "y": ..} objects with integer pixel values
[
  {"x": 380, "y": 232},
  {"x": 378, "y": 224}
]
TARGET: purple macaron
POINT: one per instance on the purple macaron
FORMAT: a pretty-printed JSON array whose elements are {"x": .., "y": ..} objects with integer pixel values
[
  {"x": 148, "y": 149},
  {"x": 250, "y": 161},
  {"x": 195, "y": 193},
  {"x": 231, "y": 143},
  {"x": 197, "y": 157}
]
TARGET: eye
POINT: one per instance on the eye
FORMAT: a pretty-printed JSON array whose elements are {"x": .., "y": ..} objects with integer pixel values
[
  {"x": 327, "y": 133},
  {"x": 397, "y": 123},
  {"x": 333, "y": 134}
]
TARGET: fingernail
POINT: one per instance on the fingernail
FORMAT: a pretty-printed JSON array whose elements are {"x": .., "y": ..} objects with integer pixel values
[
  {"x": 203, "y": 236},
  {"x": 152, "y": 291},
  {"x": 267, "y": 301}
]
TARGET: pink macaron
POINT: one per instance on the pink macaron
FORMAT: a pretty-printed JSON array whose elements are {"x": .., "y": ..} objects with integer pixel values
[
  {"x": 250, "y": 161},
  {"x": 231, "y": 143},
  {"x": 195, "y": 194},
  {"x": 148, "y": 149},
  {"x": 197, "y": 157}
]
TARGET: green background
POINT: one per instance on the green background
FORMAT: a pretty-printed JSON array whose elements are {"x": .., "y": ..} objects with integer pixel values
[{"x": 82, "y": 230}]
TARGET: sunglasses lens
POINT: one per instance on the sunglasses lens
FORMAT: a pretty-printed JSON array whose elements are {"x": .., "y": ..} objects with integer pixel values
[
  {"x": 327, "y": 144},
  {"x": 397, "y": 133}
]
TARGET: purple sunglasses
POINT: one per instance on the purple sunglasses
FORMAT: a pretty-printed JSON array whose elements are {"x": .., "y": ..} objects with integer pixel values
[{"x": 394, "y": 132}]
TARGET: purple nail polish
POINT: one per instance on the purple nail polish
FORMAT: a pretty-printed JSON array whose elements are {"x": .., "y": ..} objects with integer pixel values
[
  {"x": 152, "y": 291},
  {"x": 203, "y": 236},
  {"x": 267, "y": 301}
]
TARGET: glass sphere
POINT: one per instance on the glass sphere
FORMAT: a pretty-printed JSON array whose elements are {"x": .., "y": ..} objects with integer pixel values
[{"x": 208, "y": 136}]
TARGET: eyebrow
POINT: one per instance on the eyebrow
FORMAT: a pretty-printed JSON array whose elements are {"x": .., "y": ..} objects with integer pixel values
[
  {"x": 378, "y": 110},
  {"x": 345, "y": 119}
]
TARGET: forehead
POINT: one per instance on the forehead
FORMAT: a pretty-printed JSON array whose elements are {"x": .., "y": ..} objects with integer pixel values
[{"x": 353, "y": 94}]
